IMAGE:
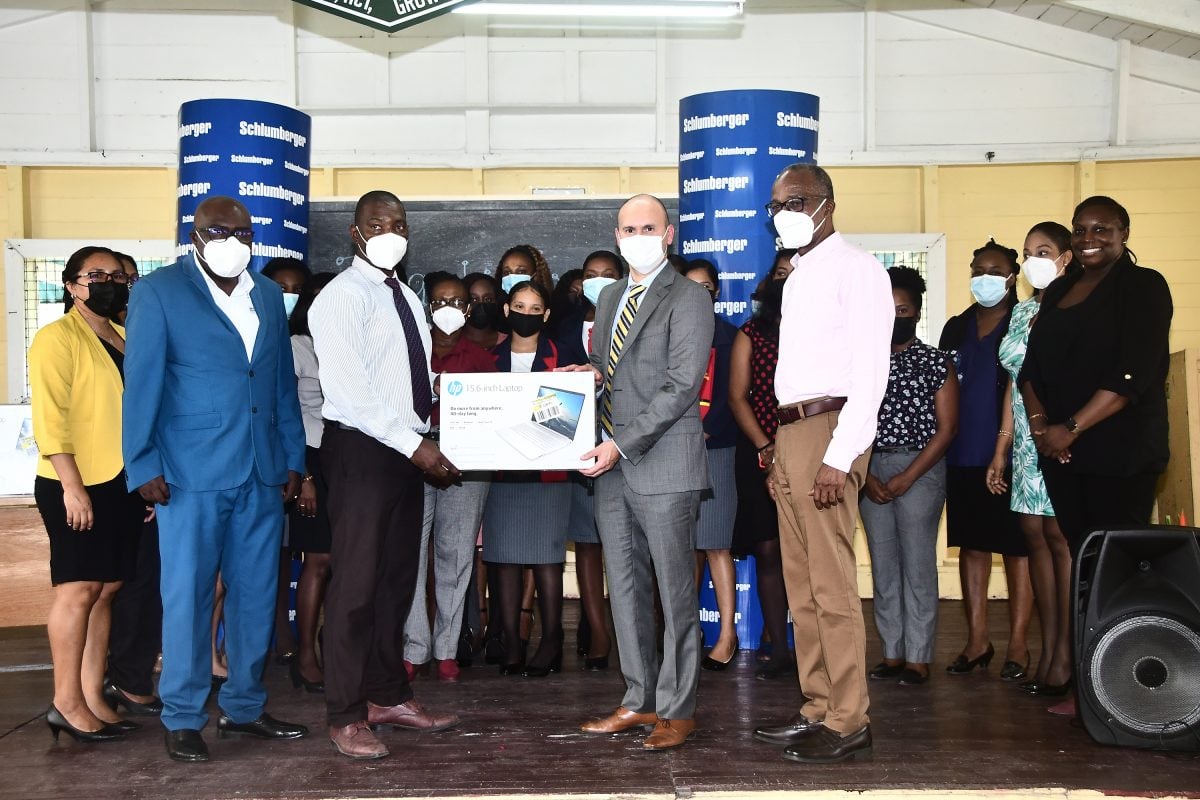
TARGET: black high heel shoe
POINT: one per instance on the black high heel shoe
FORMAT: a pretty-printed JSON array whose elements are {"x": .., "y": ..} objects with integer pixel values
[
  {"x": 962, "y": 665},
  {"x": 712, "y": 665},
  {"x": 118, "y": 699},
  {"x": 298, "y": 679},
  {"x": 124, "y": 726},
  {"x": 1013, "y": 671},
  {"x": 555, "y": 665},
  {"x": 1051, "y": 689},
  {"x": 595, "y": 664},
  {"x": 58, "y": 724}
]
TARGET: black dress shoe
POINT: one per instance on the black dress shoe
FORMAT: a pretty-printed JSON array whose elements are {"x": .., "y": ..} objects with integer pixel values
[
  {"x": 910, "y": 677},
  {"x": 712, "y": 665},
  {"x": 883, "y": 671},
  {"x": 118, "y": 699},
  {"x": 555, "y": 665},
  {"x": 792, "y": 731},
  {"x": 776, "y": 667},
  {"x": 265, "y": 727},
  {"x": 826, "y": 747},
  {"x": 1012, "y": 671},
  {"x": 186, "y": 745}
]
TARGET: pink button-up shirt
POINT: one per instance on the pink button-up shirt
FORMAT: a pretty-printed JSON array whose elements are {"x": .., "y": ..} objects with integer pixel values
[{"x": 835, "y": 340}]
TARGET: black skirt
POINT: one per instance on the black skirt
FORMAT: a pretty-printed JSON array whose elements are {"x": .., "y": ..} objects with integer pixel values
[
  {"x": 976, "y": 519},
  {"x": 311, "y": 534},
  {"x": 107, "y": 552},
  {"x": 756, "y": 520}
]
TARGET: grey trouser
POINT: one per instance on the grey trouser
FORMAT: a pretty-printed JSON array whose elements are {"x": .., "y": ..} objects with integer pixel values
[
  {"x": 452, "y": 517},
  {"x": 902, "y": 536}
]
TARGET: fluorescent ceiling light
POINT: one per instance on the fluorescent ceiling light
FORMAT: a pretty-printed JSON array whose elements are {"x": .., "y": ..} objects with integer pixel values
[{"x": 681, "y": 8}]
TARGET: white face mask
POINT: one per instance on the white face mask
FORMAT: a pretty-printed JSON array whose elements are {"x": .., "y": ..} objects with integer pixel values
[
  {"x": 1041, "y": 271},
  {"x": 289, "y": 303},
  {"x": 449, "y": 319},
  {"x": 385, "y": 250},
  {"x": 796, "y": 229},
  {"x": 225, "y": 258},
  {"x": 593, "y": 286},
  {"x": 643, "y": 253}
]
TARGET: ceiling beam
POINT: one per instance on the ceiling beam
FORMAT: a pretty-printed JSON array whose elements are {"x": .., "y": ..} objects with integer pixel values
[{"x": 1179, "y": 16}]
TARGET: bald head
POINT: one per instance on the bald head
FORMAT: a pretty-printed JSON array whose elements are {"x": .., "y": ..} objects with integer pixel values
[
  {"x": 645, "y": 206},
  {"x": 221, "y": 211}
]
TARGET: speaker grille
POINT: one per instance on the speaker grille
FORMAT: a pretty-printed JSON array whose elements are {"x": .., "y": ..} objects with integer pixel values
[{"x": 1145, "y": 673}]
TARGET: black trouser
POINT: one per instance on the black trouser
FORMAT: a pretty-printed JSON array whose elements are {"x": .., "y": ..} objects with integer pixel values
[
  {"x": 136, "y": 638},
  {"x": 1084, "y": 503},
  {"x": 376, "y": 502}
]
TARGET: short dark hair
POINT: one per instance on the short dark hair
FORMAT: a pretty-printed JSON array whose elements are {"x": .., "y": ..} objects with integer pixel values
[
  {"x": 437, "y": 278},
  {"x": 75, "y": 264},
  {"x": 680, "y": 263},
  {"x": 1014, "y": 258},
  {"x": 1056, "y": 232},
  {"x": 126, "y": 259},
  {"x": 709, "y": 268},
  {"x": 476, "y": 277},
  {"x": 374, "y": 196},
  {"x": 532, "y": 286},
  {"x": 1103, "y": 201},
  {"x": 821, "y": 176},
  {"x": 298, "y": 322},
  {"x": 908, "y": 280},
  {"x": 606, "y": 255},
  {"x": 278, "y": 265}
]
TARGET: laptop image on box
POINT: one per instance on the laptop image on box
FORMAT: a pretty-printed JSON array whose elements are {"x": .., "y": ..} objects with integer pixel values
[{"x": 553, "y": 420}]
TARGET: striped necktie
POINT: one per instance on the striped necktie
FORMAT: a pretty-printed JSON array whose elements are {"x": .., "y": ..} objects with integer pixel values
[{"x": 614, "y": 353}]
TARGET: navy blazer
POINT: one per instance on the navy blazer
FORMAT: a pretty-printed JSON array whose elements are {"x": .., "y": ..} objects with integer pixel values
[
  {"x": 569, "y": 338},
  {"x": 544, "y": 360},
  {"x": 196, "y": 411}
]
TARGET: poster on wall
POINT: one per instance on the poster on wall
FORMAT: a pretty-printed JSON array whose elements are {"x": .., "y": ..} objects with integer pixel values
[
  {"x": 18, "y": 451},
  {"x": 732, "y": 144},
  {"x": 258, "y": 154},
  {"x": 386, "y": 15}
]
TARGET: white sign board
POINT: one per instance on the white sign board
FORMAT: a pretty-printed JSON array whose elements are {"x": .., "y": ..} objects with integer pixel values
[
  {"x": 18, "y": 452},
  {"x": 518, "y": 421}
]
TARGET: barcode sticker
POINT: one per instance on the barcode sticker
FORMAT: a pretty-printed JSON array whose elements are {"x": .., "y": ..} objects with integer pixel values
[{"x": 547, "y": 408}]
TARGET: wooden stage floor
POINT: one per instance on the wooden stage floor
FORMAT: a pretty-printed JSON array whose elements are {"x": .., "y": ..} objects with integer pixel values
[{"x": 955, "y": 736}]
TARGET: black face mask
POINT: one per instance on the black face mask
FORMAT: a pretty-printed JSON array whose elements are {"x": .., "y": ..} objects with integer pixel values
[
  {"x": 525, "y": 324},
  {"x": 904, "y": 329},
  {"x": 484, "y": 315},
  {"x": 107, "y": 299}
]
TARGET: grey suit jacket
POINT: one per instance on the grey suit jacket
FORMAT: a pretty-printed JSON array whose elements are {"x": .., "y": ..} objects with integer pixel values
[{"x": 656, "y": 386}]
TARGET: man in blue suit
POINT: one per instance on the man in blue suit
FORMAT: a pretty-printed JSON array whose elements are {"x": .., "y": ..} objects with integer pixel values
[{"x": 212, "y": 434}]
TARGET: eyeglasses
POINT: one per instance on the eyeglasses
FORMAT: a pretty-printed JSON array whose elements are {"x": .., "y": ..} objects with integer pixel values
[
  {"x": 216, "y": 233},
  {"x": 103, "y": 277},
  {"x": 453, "y": 302},
  {"x": 795, "y": 204}
]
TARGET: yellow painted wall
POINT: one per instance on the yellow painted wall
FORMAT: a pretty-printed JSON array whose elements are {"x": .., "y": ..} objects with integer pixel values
[{"x": 967, "y": 203}]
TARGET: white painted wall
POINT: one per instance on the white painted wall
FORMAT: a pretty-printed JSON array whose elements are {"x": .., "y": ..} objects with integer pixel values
[{"x": 100, "y": 81}]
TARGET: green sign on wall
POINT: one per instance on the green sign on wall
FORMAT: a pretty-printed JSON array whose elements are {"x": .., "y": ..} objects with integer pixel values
[{"x": 386, "y": 15}]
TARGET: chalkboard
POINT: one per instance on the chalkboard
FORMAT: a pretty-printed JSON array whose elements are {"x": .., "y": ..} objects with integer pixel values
[{"x": 464, "y": 236}]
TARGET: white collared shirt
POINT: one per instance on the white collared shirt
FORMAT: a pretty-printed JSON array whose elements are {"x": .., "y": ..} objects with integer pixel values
[
  {"x": 363, "y": 354},
  {"x": 237, "y": 306}
]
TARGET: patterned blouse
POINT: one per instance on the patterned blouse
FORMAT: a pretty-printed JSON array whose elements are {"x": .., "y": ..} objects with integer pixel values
[
  {"x": 907, "y": 417},
  {"x": 764, "y": 355}
]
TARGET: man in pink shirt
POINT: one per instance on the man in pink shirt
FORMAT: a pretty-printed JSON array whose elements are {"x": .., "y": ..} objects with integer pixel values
[{"x": 834, "y": 341}]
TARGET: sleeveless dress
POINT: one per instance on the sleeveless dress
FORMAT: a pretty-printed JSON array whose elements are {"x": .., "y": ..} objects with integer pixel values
[{"x": 1029, "y": 494}]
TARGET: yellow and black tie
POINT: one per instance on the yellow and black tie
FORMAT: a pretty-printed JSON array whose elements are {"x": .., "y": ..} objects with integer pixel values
[{"x": 614, "y": 353}]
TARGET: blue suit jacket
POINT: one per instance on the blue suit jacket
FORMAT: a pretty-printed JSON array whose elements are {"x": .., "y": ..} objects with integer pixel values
[{"x": 195, "y": 410}]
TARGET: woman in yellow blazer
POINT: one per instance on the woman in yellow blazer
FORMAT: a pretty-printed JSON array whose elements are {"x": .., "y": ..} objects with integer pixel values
[{"x": 75, "y": 371}]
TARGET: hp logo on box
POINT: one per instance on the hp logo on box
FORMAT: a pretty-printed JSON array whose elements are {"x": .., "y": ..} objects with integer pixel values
[{"x": 455, "y": 388}]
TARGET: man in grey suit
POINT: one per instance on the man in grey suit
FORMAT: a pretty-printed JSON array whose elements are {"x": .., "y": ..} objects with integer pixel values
[{"x": 650, "y": 349}]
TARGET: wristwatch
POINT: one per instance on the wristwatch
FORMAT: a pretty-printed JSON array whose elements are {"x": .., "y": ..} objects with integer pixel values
[{"x": 1072, "y": 425}]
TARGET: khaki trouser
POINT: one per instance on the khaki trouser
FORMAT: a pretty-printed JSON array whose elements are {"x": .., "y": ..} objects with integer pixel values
[{"x": 821, "y": 575}]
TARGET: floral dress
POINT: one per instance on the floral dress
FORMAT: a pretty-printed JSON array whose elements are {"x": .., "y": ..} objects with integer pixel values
[{"x": 1028, "y": 488}]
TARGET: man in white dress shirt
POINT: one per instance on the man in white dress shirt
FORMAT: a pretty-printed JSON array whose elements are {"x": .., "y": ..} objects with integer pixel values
[
  {"x": 834, "y": 349},
  {"x": 373, "y": 345}
]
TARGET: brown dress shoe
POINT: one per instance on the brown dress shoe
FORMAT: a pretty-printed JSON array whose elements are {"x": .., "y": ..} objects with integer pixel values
[
  {"x": 620, "y": 720},
  {"x": 669, "y": 733},
  {"x": 410, "y": 716},
  {"x": 356, "y": 741}
]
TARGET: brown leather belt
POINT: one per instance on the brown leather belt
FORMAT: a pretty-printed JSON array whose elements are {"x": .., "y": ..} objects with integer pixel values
[{"x": 794, "y": 413}]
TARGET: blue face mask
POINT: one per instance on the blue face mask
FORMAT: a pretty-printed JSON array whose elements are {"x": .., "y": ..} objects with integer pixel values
[
  {"x": 593, "y": 286},
  {"x": 289, "y": 303},
  {"x": 510, "y": 282},
  {"x": 989, "y": 289}
]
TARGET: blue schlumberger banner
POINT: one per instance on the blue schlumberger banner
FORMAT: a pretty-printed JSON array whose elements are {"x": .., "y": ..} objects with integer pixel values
[
  {"x": 731, "y": 146},
  {"x": 254, "y": 152}
]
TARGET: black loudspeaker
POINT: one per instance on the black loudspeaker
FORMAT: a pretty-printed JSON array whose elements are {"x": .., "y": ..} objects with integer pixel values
[{"x": 1137, "y": 637}]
